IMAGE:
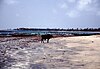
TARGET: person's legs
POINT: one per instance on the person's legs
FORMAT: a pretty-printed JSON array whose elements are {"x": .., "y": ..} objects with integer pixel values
[{"x": 47, "y": 40}]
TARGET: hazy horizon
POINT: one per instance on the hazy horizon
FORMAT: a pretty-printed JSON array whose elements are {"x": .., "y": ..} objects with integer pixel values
[{"x": 49, "y": 14}]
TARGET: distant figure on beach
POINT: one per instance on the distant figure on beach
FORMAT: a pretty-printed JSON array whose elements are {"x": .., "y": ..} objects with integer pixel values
[{"x": 46, "y": 37}]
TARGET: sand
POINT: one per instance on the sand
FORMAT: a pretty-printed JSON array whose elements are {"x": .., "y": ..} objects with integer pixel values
[{"x": 81, "y": 52}]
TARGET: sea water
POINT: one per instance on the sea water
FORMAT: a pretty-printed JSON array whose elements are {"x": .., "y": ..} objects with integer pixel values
[{"x": 38, "y": 32}]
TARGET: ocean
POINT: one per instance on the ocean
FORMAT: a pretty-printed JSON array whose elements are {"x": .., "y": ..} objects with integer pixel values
[{"x": 38, "y": 32}]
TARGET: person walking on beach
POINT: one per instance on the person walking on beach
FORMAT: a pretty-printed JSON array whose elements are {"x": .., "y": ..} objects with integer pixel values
[{"x": 46, "y": 37}]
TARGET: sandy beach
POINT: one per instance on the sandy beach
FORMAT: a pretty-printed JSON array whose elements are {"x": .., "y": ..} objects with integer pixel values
[{"x": 81, "y": 52}]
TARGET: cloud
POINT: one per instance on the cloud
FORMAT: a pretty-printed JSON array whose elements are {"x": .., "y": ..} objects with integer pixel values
[
  {"x": 54, "y": 11},
  {"x": 76, "y": 8},
  {"x": 89, "y": 6},
  {"x": 73, "y": 14},
  {"x": 98, "y": 13},
  {"x": 71, "y": 1},
  {"x": 64, "y": 6},
  {"x": 9, "y": 2},
  {"x": 84, "y": 4},
  {"x": 17, "y": 14}
]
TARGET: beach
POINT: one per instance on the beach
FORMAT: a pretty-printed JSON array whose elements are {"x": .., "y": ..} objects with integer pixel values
[{"x": 78, "y": 52}]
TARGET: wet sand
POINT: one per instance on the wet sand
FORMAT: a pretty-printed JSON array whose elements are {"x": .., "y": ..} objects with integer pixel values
[{"x": 81, "y": 52}]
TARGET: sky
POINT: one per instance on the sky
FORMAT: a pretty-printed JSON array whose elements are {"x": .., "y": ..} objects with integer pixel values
[{"x": 49, "y": 14}]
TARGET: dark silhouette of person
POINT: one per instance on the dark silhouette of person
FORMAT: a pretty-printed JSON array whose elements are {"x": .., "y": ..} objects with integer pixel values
[{"x": 46, "y": 37}]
